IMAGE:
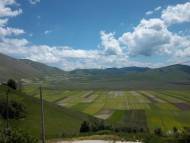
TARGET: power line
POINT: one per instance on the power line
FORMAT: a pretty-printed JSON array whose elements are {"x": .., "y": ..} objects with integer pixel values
[
  {"x": 7, "y": 109},
  {"x": 42, "y": 117}
]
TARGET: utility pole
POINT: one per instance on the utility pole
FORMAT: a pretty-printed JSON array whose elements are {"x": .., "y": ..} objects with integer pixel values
[
  {"x": 20, "y": 85},
  {"x": 7, "y": 109},
  {"x": 42, "y": 117}
]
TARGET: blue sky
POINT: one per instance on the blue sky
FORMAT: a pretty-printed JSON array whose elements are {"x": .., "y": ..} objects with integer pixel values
[{"x": 73, "y": 34}]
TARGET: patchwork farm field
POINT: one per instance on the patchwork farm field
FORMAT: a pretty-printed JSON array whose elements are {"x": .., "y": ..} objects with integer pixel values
[{"x": 138, "y": 109}]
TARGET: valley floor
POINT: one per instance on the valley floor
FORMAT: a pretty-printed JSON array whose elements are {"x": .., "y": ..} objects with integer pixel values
[{"x": 148, "y": 109}]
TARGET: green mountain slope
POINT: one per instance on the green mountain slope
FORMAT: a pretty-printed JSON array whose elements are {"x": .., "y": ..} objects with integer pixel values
[
  {"x": 58, "y": 120},
  {"x": 42, "y": 68},
  {"x": 13, "y": 68},
  {"x": 24, "y": 69}
]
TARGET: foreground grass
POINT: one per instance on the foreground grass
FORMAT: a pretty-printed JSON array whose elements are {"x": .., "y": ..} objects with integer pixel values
[{"x": 58, "y": 120}]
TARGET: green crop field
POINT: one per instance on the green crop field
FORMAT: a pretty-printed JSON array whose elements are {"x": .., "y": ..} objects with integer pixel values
[{"x": 148, "y": 109}]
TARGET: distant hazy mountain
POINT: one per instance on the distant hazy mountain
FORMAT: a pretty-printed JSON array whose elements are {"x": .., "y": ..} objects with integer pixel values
[
  {"x": 174, "y": 76},
  {"x": 168, "y": 73},
  {"x": 111, "y": 78},
  {"x": 110, "y": 71}
]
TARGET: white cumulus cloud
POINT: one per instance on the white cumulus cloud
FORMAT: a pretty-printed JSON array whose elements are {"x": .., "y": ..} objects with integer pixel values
[
  {"x": 149, "y": 37},
  {"x": 111, "y": 46},
  {"x": 177, "y": 14},
  {"x": 8, "y": 31},
  {"x": 6, "y": 11}
]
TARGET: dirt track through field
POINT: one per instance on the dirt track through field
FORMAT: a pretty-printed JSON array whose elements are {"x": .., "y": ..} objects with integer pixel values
[
  {"x": 104, "y": 114},
  {"x": 88, "y": 94},
  {"x": 152, "y": 97}
]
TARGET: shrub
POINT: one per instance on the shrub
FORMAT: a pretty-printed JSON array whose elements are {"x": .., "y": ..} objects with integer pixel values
[
  {"x": 134, "y": 130},
  {"x": 15, "y": 110},
  {"x": 141, "y": 130},
  {"x": 84, "y": 127},
  {"x": 175, "y": 132},
  {"x": 16, "y": 136},
  {"x": 98, "y": 126}
]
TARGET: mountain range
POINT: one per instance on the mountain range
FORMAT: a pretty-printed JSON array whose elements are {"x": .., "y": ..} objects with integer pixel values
[{"x": 110, "y": 78}]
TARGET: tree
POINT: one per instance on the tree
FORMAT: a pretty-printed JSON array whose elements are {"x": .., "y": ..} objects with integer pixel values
[
  {"x": 175, "y": 132},
  {"x": 84, "y": 127},
  {"x": 12, "y": 84},
  {"x": 141, "y": 130},
  {"x": 16, "y": 110},
  {"x": 175, "y": 129}
]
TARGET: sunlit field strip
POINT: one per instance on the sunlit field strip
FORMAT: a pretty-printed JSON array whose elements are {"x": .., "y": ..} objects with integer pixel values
[
  {"x": 115, "y": 100},
  {"x": 139, "y": 97},
  {"x": 97, "y": 104},
  {"x": 152, "y": 97},
  {"x": 90, "y": 97},
  {"x": 86, "y": 102},
  {"x": 104, "y": 113},
  {"x": 53, "y": 95},
  {"x": 74, "y": 98},
  {"x": 136, "y": 101}
]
